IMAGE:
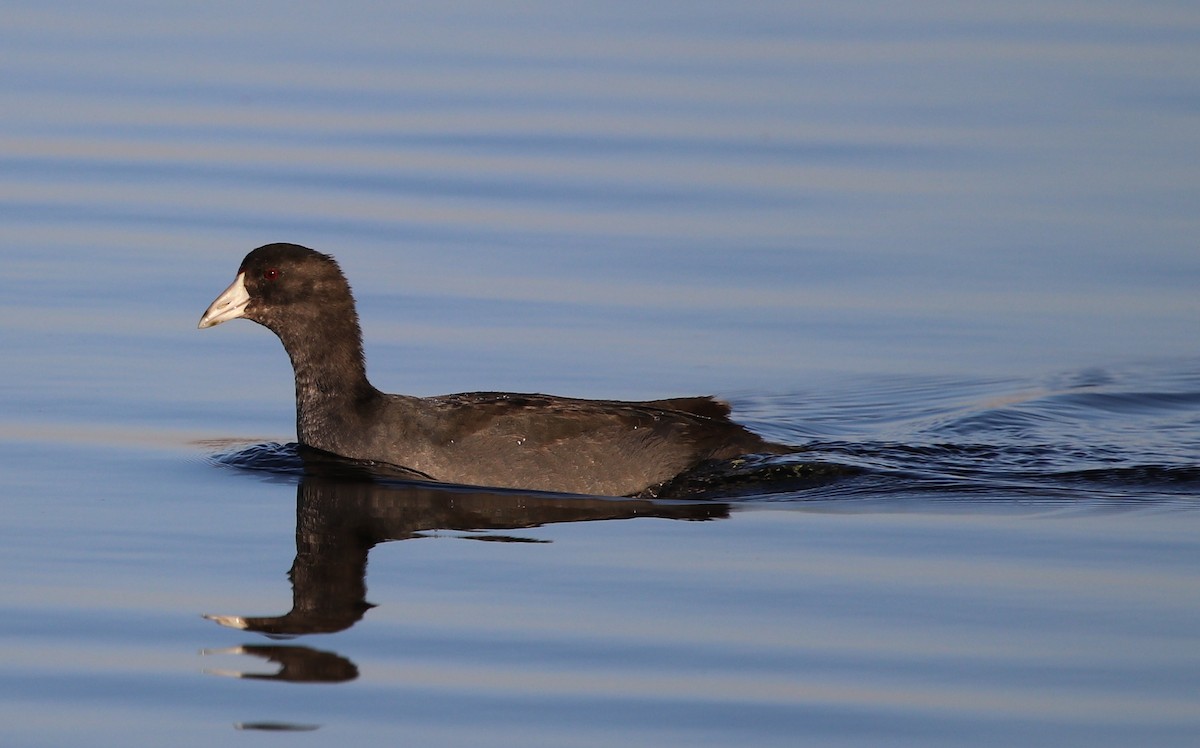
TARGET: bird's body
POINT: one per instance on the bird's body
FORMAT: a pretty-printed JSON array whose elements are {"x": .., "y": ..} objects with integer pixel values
[{"x": 529, "y": 441}]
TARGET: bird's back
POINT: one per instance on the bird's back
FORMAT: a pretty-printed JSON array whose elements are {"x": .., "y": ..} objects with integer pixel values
[{"x": 557, "y": 444}]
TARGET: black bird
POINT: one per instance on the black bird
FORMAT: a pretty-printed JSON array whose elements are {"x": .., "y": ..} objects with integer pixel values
[{"x": 529, "y": 441}]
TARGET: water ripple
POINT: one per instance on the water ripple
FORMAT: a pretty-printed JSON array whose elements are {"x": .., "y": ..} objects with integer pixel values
[{"x": 1017, "y": 445}]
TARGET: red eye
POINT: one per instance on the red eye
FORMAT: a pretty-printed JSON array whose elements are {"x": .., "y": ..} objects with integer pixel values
[{"x": 270, "y": 274}]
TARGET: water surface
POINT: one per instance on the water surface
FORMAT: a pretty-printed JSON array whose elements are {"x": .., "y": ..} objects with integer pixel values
[{"x": 949, "y": 249}]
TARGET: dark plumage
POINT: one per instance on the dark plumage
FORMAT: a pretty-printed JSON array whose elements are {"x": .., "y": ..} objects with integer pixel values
[{"x": 526, "y": 441}]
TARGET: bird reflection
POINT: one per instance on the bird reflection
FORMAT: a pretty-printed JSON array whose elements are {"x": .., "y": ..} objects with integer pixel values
[
  {"x": 343, "y": 510},
  {"x": 296, "y": 664}
]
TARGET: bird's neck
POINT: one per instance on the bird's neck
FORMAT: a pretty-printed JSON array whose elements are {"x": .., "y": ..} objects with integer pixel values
[{"x": 331, "y": 376}]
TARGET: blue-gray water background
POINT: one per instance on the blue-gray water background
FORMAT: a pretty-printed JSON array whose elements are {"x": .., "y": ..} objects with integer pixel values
[{"x": 953, "y": 244}]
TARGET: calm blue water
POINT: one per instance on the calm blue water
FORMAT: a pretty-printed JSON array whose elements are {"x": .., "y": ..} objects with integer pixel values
[{"x": 948, "y": 248}]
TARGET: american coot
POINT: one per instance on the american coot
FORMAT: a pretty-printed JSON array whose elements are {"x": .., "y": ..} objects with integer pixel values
[{"x": 528, "y": 441}]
